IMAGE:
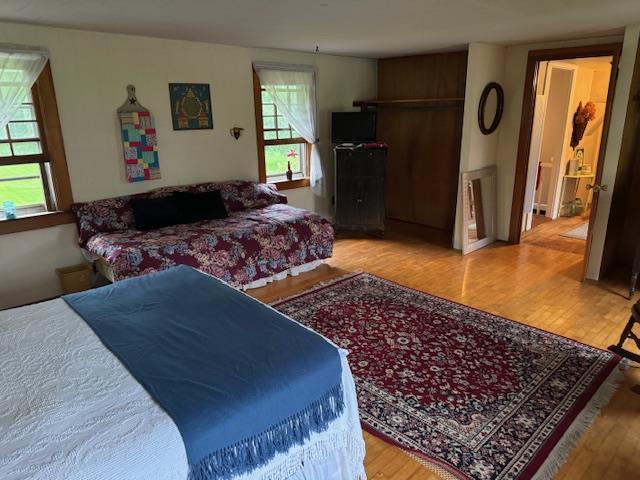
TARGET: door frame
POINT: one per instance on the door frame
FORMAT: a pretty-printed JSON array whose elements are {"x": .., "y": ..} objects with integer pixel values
[{"x": 526, "y": 125}]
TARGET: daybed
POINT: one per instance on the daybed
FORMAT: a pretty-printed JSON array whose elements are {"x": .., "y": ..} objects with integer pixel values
[{"x": 262, "y": 239}]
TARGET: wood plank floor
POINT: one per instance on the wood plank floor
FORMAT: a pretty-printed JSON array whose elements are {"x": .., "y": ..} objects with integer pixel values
[
  {"x": 536, "y": 285},
  {"x": 548, "y": 234}
]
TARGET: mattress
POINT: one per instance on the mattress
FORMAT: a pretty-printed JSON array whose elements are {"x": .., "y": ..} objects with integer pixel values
[{"x": 70, "y": 410}]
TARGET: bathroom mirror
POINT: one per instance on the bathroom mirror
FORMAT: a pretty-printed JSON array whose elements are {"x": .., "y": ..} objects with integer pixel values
[{"x": 479, "y": 191}]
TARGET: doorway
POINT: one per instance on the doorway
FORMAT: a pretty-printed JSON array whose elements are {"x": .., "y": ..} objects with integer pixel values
[{"x": 564, "y": 127}]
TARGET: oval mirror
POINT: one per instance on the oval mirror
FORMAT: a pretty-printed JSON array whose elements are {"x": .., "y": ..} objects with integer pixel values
[{"x": 490, "y": 108}]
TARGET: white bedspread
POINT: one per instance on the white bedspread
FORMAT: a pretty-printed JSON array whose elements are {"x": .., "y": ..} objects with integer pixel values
[{"x": 69, "y": 410}]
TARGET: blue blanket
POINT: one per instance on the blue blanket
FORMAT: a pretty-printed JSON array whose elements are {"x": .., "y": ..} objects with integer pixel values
[{"x": 241, "y": 381}]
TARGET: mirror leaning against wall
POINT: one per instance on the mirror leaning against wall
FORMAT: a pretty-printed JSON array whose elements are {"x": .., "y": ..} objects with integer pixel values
[{"x": 479, "y": 191}]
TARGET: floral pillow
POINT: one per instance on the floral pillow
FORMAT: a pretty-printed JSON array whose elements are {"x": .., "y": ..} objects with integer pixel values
[
  {"x": 238, "y": 195},
  {"x": 109, "y": 215}
]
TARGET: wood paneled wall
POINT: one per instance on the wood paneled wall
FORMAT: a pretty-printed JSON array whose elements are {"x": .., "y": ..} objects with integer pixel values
[{"x": 424, "y": 143}]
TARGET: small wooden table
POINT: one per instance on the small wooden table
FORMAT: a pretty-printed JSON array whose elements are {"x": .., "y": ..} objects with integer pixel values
[{"x": 576, "y": 185}]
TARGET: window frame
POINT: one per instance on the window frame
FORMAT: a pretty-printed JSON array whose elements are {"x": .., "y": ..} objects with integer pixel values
[
  {"x": 41, "y": 159},
  {"x": 262, "y": 143},
  {"x": 46, "y": 110}
]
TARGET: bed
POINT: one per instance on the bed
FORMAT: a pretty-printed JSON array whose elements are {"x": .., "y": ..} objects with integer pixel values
[
  {"x": 69, "y": 409},
  {"x": 263, "y": 239}
]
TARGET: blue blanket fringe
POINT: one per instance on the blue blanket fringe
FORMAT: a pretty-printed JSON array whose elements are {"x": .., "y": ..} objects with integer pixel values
[{"x": 254, "y": 452}]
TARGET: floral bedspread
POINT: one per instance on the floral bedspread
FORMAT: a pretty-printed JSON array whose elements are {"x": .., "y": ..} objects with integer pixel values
[
  {"x": 246, "y": 246},
  {"x": 114, "y": 214}
]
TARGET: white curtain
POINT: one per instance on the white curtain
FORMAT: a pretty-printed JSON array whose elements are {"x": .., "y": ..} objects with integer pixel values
[
  {"x": 299, "y": 109},
  {"x": 19, "y": 69}
]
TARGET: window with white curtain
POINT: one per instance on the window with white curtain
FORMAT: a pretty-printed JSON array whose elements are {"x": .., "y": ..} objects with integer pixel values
[
  {"x": 24, "y": 177},
  {"x": 280, "y": 144},
  {"x": 287, "y": 124},
  {"x": 34, "y": 181}
]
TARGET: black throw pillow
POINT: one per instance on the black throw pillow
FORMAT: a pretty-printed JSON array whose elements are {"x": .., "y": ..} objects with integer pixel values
[
  {"x": 199, "y": 206},
  {"x": 152, "y": 213}
]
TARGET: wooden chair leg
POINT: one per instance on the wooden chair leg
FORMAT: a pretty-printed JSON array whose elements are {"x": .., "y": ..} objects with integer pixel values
[
  {"x": 632, "y": 284},
  {"x": 625, "y": 333},
  {"x": 628, "y": 334},
  {"x": 635, "y": 270}
]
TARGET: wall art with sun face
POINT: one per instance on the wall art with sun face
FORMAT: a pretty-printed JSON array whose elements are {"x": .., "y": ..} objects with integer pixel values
[{"x": 190, "y": 106}]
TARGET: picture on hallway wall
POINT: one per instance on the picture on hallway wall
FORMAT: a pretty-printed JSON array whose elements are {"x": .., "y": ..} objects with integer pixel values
[{"x": 190, "y": 106}]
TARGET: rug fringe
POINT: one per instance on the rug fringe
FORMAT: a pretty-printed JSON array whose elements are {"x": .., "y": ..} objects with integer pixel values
[
  {"x": 581, "y": 424},
  {"x": 434, "y": 467}
]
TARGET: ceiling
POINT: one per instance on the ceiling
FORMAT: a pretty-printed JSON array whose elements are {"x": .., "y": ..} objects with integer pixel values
[{"x": 365, "y": 28}]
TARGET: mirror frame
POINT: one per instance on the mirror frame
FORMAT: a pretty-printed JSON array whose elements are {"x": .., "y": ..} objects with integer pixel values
[
  {"x": 486, "y": 172},
  {"x": 499, "y": 107}
]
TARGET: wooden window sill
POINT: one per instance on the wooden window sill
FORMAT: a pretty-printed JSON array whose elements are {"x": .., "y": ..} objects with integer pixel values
[
  {"x": 289, "y": 184},
  {"x": 35, "y": 222}
]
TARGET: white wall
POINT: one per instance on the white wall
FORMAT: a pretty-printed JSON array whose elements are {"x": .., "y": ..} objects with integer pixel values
[
  {"x": 485, "y": 64},
  {"x": 90, "y": 73}
]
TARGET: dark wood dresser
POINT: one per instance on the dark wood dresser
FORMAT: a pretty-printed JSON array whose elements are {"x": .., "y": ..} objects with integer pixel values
[{"x": 359, "y": 192}]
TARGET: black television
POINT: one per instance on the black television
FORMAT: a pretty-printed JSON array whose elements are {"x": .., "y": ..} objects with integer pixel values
[{"x": 353, "y": 127}]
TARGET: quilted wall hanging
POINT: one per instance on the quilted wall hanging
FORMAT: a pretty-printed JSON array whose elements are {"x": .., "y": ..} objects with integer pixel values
[{"x": 139, "y": 141}]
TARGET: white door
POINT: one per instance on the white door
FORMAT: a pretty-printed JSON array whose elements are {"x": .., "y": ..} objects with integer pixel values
[
  {"x": 531, "y": 198},
  {"x": 550, "y": 135},
  {"x": 552, "y": 124},
  {"x": 560, "y": 163}
]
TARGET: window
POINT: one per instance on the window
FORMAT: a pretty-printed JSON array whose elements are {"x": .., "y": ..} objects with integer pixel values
[
  {"x": 279, "y": 144},
  {"x": 33, "y": 169},
  {"x": 24, "y": 177}
]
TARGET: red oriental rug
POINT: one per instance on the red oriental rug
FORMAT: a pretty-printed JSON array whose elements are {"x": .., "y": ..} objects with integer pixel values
[{"x": 470, "y": 394}]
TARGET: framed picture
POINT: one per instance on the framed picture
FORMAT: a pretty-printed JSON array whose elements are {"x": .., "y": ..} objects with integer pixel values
[{"x": 190, "y": 106}]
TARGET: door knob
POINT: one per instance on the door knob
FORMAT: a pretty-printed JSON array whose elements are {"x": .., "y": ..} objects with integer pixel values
[{"x": 596, "y": 187}]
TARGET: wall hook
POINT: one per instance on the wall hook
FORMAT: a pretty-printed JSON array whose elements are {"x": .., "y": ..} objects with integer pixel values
[{"x": 131, "y": 104}]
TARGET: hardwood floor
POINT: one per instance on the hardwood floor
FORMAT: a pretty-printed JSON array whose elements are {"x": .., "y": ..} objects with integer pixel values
[
  {"x": 537, "y": 219},
  {"x": 532, "y": 284},
  {"x": 548, "y": 234}
]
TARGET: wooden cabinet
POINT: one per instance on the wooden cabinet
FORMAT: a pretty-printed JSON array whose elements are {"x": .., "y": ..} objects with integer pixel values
[
  {"x": 360, "y": 184},
  {"x": 420, "y": 110}
]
